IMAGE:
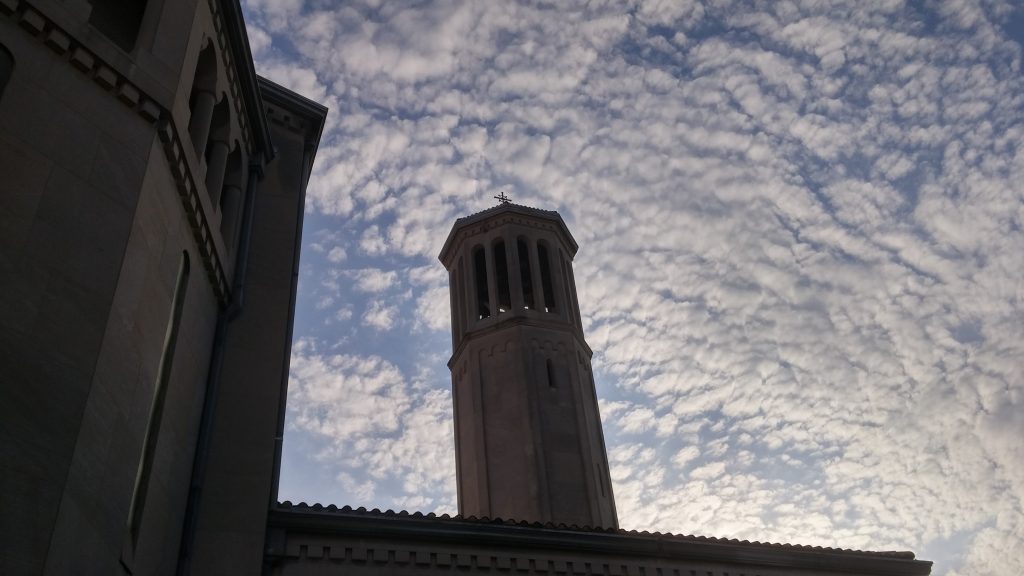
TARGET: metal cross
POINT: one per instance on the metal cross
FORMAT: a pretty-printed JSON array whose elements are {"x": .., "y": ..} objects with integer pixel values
[{"x": 502, "y": 198}]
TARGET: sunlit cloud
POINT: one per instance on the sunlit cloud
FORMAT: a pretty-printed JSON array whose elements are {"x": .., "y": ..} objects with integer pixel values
[{"x": 800, "y": 265}]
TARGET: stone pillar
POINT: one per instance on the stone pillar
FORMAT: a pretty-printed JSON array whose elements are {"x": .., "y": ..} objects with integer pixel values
[
  {"x": 215, "y": 169},
  {"x": 229, "y": 215},
  {"x": 515, "y": 282},
  {"x": 199, "y": 123},
  {"x": 492, "y": 281},
  {"x": 538, "y": 289}
]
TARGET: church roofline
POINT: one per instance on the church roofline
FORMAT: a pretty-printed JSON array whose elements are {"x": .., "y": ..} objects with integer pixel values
[
  {"x": 504, "y": 208},
  {"x": 317, "y": 518}
]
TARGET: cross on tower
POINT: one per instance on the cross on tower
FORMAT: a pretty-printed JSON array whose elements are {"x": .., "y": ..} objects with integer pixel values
[{"x": 502, "y": 198}]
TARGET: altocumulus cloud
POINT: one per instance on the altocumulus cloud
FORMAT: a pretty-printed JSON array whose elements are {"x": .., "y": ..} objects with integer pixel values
[{"x": 801, "y": 252}]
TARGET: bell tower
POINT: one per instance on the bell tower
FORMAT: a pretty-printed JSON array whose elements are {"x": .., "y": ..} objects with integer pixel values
[{"x": 528, "y": 438}]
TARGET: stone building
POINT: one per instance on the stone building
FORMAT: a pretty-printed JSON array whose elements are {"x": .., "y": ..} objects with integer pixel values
[{"x": 151, "y": 202}]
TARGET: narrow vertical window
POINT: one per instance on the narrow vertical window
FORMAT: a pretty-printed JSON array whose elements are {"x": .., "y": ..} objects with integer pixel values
[
  {"x": 6, "y": 68},
  {"x": 483, "y": 297},
  {"x": 545, "y": 278},
  {"x": 203, "y": 99},
  {"x": 501, "y": 275},
  {"x": 552, "y": 383},
  {"x": 118, "y": 20},
  {"x": 216, "y": 151},
  {"x": 525, "y": 277},
  {"x": 156, "y": 408}
]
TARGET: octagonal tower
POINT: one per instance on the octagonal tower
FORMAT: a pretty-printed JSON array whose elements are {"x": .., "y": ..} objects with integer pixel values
[{"x": 528, "y": 438}]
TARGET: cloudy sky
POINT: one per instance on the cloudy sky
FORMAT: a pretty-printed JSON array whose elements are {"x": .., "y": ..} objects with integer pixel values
[{"x": 801, "y": 262}]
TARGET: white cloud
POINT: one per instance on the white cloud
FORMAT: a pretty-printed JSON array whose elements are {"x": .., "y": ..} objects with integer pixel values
[
  {"x": 380, "y": 316},
  {"x": 800, "y": 249},
  {"x": 372, "y": 242},
  {"x": 336, "y": 254},
  {"x": 374, "y": 279},
  {"x": 362, "y": 411}
]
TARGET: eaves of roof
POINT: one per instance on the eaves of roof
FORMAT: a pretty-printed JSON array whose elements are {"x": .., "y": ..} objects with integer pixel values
[{"x": 417, "y": 526}]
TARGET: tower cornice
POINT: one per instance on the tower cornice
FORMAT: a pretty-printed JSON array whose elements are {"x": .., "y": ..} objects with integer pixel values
[{"x": 503, "y": 214}]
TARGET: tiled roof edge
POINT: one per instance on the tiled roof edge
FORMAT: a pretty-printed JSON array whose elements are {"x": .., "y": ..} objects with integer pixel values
[{"x": 377, "y": 513}]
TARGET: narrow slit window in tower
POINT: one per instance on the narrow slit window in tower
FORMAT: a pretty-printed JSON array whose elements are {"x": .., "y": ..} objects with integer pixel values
[
  {"x": 483, "y": 297},
  {"x": 552, "y": 383},
  {"x": 156, "y": 409},
  {"x": 6, "y": 68},
  {"x": 501, "y": 275},
  {"x": 202, "y": 99},
  {"x": 118, "y": 20},
  {"x": 525, "y": 277},
  {"x": 545, "y": 278}
]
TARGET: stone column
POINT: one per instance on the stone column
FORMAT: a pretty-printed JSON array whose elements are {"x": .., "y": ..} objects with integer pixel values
[
  {"x": 468, "y": 296},
  {"x": 515, "y": 282},
  {"x": 492, "y": 281},
  {"x": 215, "y": 169},
  {"x": 538, "y": 289},
  {"x": 230, "y": 207},
  {"x": 199, "y": 123}
]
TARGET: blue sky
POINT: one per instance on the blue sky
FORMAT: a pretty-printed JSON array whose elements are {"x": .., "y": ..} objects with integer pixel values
[{"x": 800, "y": 265}]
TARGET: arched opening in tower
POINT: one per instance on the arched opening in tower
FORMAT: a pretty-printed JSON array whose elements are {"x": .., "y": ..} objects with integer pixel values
[
  {"x": 525, "y": 276},
  {"x": 483, "y": 297},
  {"x": 501, "y": 275},
  {"x": 545, "y": 278}
]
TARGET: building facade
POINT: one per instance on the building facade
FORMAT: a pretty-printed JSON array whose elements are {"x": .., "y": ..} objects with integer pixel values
[{"x": 151, "y": 201}]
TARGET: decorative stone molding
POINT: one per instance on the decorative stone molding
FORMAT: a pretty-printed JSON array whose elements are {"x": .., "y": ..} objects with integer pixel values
[
  {"x": 285, "y": 119},
  {"x": 131, "y": 96}
]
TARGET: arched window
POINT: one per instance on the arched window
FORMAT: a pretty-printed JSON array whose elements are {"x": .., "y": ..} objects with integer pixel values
[
  {"x": 552, "y": 383},
  {"x": 483, "y": 297},
  {"x": 203, "y": 98},
  {"x": 545, "y": 278},
  {"x": 6, "y": 68},
  {"x": 501, "y": 275},
  {"x": 525, "y": 276},
  {"x": 156, "y": 407},
  {"x": 118, "y": 20}
]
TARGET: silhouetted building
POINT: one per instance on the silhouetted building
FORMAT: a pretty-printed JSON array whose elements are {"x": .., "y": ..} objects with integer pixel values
[{"x": 151, "y": 203}]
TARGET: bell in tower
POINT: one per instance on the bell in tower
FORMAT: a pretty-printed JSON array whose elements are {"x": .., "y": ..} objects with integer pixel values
[{"x": 528, "y": 438}]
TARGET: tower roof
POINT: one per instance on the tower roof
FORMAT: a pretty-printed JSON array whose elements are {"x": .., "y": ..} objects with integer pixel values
[{"x": 506, "y": 209}]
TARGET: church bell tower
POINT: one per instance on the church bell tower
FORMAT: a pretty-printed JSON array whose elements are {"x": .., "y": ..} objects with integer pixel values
[{"x": 528, "y": 438}]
